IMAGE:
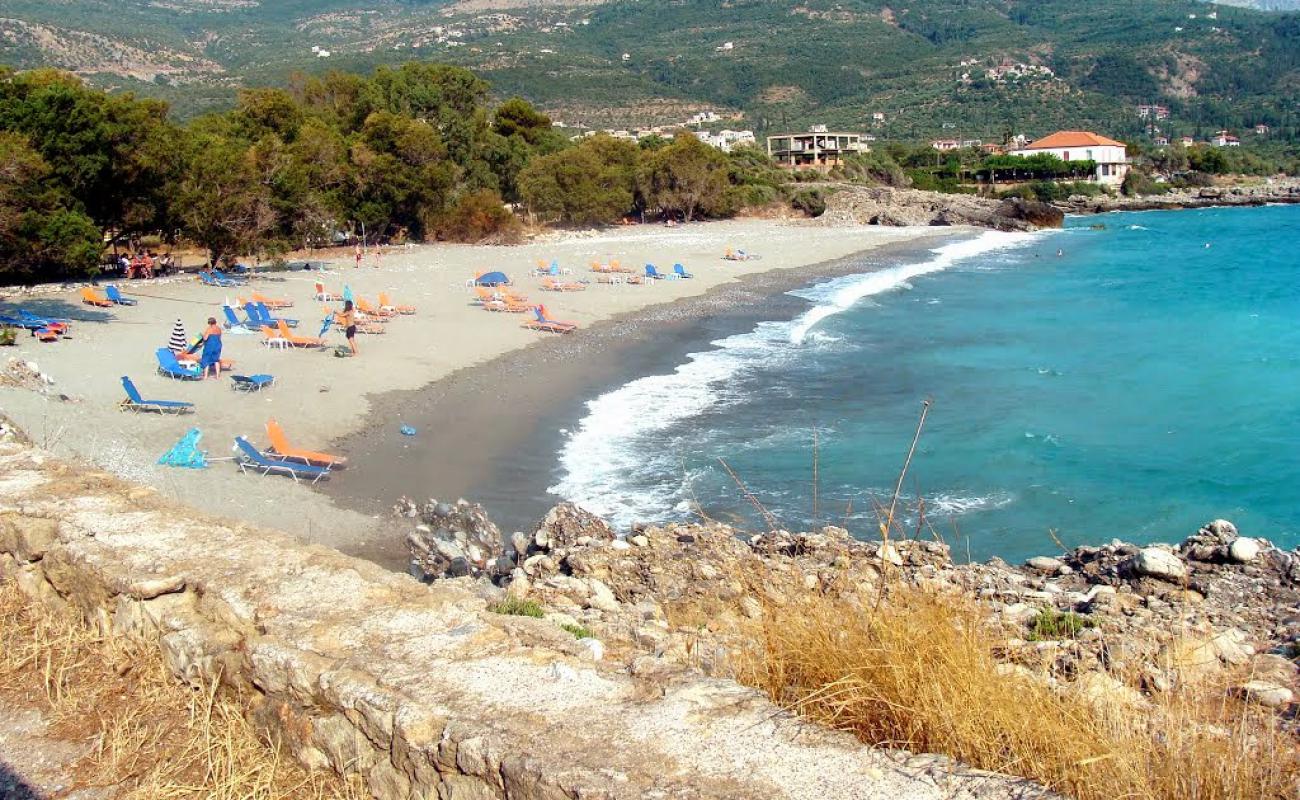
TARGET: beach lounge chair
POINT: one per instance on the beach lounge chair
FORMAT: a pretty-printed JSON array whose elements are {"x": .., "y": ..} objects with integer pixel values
[
  {"x": 227, "y": 280},
  {"x": 281, "y": 448},
  {"x": 654, "y": 274},
  {"x": 251, "y": 383},
  {"x": 488, "y": 298},
  {"x": 272, "y": 302},
  {"x": 169, "y": 367},
  {"x": 134, "y": 402},
  {"x": 209, "y": 279},
  {"x": 364, "y": 307},
  {"x": 232, "y": 321},
  {"x": 250, "y": 460},
  {"x": 260, "y": 315},
  {"x": 542, "y": 322},
  {"x": 298, "y": 341},
  {"x": 324, "y": 296},
  {"x": 386, "y": 304},
  {"x": 552, "y": 285},
  {"x": 681, "y": 272},
  {"x": 116, "y": 296},
  {"x": 32, "y": 322},
  {"x": 92, "y": 298}
]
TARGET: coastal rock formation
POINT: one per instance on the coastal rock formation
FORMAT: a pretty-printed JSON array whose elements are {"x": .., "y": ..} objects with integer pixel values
[
  {"x": 888, "y": 206},
  {"x": 1278, "y": 191},
  {"x": 1164, "y": 613},
  {"x": 420, "y": 691},
  {"x": 453, "y": 541}
]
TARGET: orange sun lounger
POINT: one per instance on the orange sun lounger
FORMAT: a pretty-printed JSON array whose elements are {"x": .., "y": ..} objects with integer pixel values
[
  {"x": 296, "y": 340},
  {"x": 271, "y": 302},
  {"x": 386, "y": 304},
  {"x": 280, "y": 446},
  {"x": 542, "y": 322},
  {"x": 370, "y": 311},
  {"x": 90, "y": 297},
  {"x": 552, "y": 285}
]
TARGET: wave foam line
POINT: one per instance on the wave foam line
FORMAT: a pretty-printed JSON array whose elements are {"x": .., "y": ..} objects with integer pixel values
[
  {"x": 617, "y": 461},
  {"x": 845, "y": 293}
]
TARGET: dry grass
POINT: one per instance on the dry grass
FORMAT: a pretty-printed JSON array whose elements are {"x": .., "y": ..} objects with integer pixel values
[
  {"x": 919, "y": 672},
  {"x": 152, "y": 737}
]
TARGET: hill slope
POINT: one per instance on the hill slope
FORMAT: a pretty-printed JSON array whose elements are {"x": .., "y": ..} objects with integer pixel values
[{"x": 927, "y": 65}]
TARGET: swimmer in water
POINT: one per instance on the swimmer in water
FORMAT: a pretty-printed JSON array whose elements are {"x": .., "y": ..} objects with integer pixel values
[{"x": 1059, "y": 252}]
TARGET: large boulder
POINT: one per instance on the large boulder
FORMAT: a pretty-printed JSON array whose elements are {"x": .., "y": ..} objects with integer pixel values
[
  {"x": 566, "y": 525},
  {"x": 456, "y": 540},
  {"x": 1037, "y": 214},
  {"x": 1156, "y": 562}
]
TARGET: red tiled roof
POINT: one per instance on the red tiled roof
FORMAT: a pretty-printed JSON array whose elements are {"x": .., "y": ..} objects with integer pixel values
[{"x": 1072, "y": 139}]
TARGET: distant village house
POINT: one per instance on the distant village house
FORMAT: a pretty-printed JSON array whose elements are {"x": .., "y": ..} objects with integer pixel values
[
  {"x": 1225, "y": 139},
  {"x": 1111, "y": 157},
  {"x": 1153, "y": 112}
]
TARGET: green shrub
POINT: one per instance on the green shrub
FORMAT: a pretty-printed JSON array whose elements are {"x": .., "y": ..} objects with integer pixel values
[
  {"x": 579, "y": 632},
  {"x": 810, "y": 201},
  {"x": 518, "y": 607},
  {"x": 1051, "y": 624},
  {"x": 478, "y": 216}
]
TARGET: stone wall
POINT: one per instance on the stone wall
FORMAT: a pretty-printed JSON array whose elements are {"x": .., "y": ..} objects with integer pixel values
[{"x": 417, "y": 689}]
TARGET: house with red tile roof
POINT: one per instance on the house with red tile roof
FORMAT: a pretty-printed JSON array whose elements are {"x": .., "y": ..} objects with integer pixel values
[{"x": 1110, "y": 156}]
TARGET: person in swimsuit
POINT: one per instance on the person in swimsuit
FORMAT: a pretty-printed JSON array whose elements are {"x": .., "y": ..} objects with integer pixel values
[{"x": 348, "y": 319}]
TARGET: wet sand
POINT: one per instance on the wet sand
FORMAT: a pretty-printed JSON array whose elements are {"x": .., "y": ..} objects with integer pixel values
[{"x": 490, "y": 433}]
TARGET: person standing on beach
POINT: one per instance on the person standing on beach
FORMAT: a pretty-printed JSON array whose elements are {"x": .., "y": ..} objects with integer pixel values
[
  {"x": 357, "y": 256},
  {"x": 348, "y": 319},
  {"x": 211, "y": 343}
]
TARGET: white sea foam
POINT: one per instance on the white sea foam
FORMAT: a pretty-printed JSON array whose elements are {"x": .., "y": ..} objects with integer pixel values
[
  {"x": 840, "y": 295},
  {"x": 617, "y": 462}
]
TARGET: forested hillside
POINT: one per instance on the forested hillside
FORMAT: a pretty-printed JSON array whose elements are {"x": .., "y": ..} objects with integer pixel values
[{"x": 977, "y": 68}]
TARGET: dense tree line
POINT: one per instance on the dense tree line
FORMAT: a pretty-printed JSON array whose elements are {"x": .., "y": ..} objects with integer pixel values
[{"x": 412, "y": 152}]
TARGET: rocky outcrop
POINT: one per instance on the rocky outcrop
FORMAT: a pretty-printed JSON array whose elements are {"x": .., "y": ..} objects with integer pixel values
[
  {"x": 1280, "y": 191},
  {"x": 419, "y": 691},
  {"x": 888, "y": 206},
  {"x": 1216, "y": 605}
]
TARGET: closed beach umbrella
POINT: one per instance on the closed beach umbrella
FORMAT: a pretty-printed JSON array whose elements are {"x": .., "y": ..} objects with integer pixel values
[
  {"x": 178, "y": 342},
  {"x": 347, "y": 292}
]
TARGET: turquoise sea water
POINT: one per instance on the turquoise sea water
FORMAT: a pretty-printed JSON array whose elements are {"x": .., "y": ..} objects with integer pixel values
[{"x": 1135, "y": 386}]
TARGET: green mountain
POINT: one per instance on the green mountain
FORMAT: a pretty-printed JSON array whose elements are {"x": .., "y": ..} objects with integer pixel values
[{"x": 954, "y": 68}]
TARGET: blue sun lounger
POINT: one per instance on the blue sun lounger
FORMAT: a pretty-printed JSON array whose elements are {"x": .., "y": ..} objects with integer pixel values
[
  {"x": 261, "y": 315},
  {"x": 681, "y": 272},
  {"x": 651, "y": 272},
  {"x": 233, "y": 321},
  {"x": 32, "y": 322},
  {"x": 251, "y": 383},
  {"x": 221, "y": 276},
  {"x": 134, "y": 402},
  {"x": 250, "y": 459},
  {"x": 169, "y": 367},
  {"x": 116, "y": 296},
  {"x": 209, "y": 280}
]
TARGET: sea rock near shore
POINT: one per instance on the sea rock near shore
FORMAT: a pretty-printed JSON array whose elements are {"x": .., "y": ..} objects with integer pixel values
[
  {"x": 896, "y": 207},
  {"x": 689, "y": 593},
  {"x": 453, "y": 540}
]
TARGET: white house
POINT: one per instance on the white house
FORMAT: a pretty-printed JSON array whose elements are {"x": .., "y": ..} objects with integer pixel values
[
  {"x": 1111, "y": 156},
  {"x": 1225, "y": 139}
]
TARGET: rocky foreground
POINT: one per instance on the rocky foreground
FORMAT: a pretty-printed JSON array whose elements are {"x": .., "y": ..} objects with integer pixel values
[{"x": 1217, "y": 605}]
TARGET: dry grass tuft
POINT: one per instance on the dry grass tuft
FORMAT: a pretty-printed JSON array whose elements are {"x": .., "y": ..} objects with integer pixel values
[
  {"x": 919, "y": 672},
  {"x": 153, "y": 737}
]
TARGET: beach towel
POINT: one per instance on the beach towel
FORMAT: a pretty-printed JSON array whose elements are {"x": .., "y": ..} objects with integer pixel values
[
  {"x": 186, "y": 452},
  {"x": 211, "y": 352}
]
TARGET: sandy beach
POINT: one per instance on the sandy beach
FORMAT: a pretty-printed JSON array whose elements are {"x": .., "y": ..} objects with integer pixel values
[{"x": 320, "y": 399}]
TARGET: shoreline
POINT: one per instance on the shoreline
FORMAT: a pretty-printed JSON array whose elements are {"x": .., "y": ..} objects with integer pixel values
[
  {"x": 318, "y": 398},
  {"x": 495, "y": 448}
]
